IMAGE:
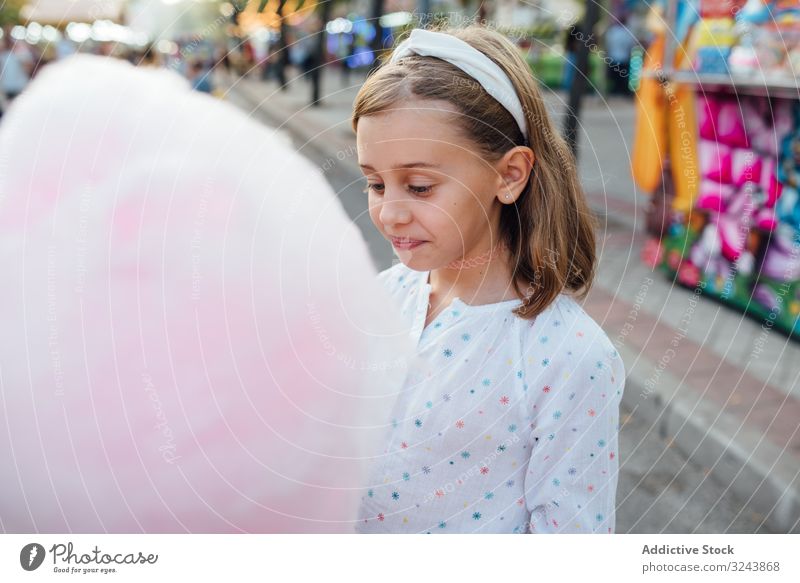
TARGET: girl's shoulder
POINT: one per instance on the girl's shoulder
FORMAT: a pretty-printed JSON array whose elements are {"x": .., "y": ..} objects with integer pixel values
[{"x": 571, "y": 337}]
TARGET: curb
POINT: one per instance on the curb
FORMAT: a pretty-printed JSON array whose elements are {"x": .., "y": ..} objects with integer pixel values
[{"x": 758, "y": 472}]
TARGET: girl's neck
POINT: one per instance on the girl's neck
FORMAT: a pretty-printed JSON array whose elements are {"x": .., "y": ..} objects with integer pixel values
[{"x": 482, "y": 278}]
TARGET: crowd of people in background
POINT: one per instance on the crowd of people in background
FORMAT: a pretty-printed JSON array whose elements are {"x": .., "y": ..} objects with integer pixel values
[
  {"x": 197, "y": 59},
  {"x": 614, "y": 46},
  {"x": 194, "y": 58},
  {"x": 21, "y": 61}
]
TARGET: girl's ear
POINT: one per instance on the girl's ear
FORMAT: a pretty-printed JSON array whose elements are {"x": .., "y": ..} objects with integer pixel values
[{"x": 513, "y": 171}]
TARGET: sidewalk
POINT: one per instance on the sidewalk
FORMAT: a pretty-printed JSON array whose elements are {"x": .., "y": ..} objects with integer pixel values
[{"x": 717, "y": 385}]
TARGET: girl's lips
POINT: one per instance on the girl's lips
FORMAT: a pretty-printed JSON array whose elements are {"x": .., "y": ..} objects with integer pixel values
[{"x": 405, "y": 243}]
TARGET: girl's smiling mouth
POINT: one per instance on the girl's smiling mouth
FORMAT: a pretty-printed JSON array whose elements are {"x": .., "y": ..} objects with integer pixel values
[{"x": 405, "y": 243}]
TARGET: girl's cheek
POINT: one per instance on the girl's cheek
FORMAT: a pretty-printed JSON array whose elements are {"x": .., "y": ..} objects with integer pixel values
[
  {"x": 374, "y": 215},
  {"x": 438, "y": 215}
]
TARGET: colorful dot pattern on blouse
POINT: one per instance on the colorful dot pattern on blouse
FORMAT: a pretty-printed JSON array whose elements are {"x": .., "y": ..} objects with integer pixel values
[{"x": 504, "y": 425}]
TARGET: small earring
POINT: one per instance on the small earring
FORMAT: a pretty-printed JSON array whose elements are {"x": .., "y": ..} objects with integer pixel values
[{"x": 508, "y": 195}]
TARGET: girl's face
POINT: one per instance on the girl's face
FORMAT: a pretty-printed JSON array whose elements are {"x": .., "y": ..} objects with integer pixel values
[{"x": 430, "y": 193}]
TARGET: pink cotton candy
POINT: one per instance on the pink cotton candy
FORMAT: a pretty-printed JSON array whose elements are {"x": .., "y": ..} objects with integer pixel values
[{"x": 193, "y": 335}]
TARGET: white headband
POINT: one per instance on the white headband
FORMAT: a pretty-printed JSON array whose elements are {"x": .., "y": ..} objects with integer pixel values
[{"x": 474, "y": 63}]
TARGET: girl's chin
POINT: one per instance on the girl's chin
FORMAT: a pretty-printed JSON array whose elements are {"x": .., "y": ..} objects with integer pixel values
[{"x": 412, "y": 261}]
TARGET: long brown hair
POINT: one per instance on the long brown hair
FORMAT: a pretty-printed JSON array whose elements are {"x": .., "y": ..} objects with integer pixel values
[{"x": 549, "y": 230}]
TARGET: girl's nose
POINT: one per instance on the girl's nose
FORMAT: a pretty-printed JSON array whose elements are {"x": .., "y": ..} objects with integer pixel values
[{"x": 394, "y": 213}]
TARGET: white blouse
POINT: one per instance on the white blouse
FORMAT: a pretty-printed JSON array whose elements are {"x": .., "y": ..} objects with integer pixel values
[{"x": 504, "y": 425}]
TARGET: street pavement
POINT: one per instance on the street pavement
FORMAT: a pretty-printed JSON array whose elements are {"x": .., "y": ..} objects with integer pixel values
[{"x": 709, "y": 436}]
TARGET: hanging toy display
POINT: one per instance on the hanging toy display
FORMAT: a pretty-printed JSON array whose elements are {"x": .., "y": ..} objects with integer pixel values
[{"x": 736, "y": 236}]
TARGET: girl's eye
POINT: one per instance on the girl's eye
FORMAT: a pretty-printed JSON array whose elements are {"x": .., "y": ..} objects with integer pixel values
[{"x": 378, "y": 188}]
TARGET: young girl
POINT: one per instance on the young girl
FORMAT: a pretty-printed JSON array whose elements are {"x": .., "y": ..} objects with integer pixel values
[{"x": 509, "y": 417}]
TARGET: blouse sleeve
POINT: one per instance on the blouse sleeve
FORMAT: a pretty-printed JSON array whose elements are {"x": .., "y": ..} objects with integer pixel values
[{"x": 571, "y": 479}]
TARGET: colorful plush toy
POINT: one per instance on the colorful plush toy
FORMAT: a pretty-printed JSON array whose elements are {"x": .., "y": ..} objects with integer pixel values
[
  {"x": 788, "y": 173},
  {"x": 706, "y": 251},
  {"x": 782, "y": 258},
  {"x": 714, "y": 196},
  {"x": 788, "y": 207},
  {"x": 745, "y": 167},
  {"x": 710, "y": 42}
]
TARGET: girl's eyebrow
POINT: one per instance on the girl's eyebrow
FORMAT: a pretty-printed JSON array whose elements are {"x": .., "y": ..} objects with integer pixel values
[{"x": 409, "y": 165}]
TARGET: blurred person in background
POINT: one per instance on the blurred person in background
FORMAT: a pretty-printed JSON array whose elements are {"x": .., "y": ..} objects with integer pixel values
[
  {"x": 570, "y": 50},
  {"x": 619, "y": 43},
  {"x": 16, "y": 65},
  {"x": 221, "y": 57},
  {"x": 41, "y": 56},
  {"x": 149, "y": 58},
  {"x": 199, "y": 77},
  {"x": 65, "y": 48}
]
